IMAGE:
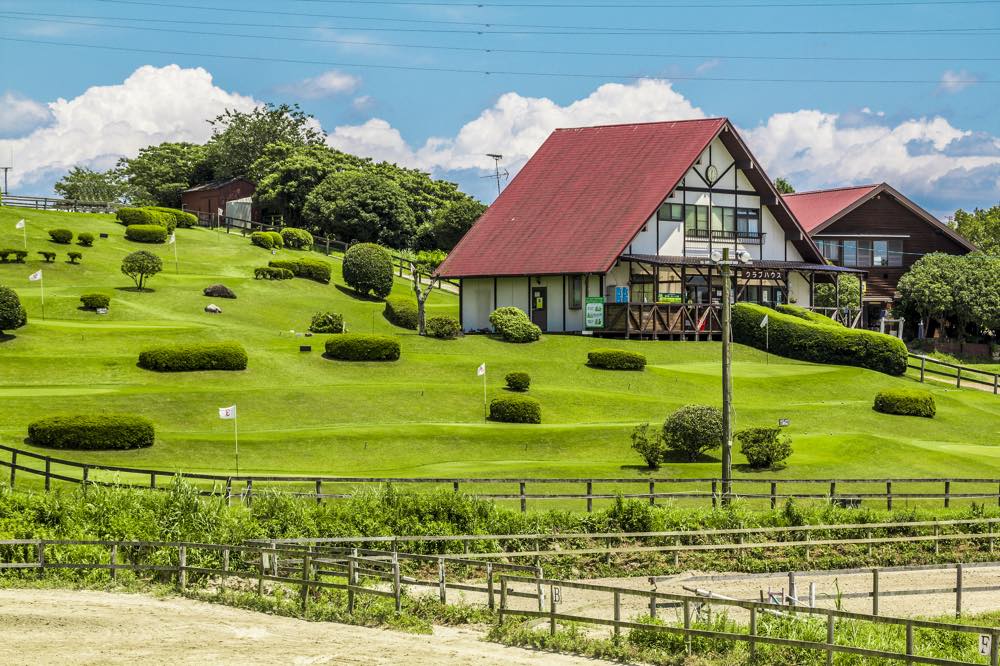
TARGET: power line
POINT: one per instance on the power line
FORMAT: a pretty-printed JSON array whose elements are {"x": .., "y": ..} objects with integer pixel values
[
  {"x": 576, "y": 5},
  {"x": 27, "y": 16},
  {"x": 485, "y": 72}
]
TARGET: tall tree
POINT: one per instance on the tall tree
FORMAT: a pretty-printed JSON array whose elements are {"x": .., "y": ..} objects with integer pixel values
[
  {"x": 290, "y": 172},
  {"x": 451, "y": 222},
  {"x": 928, "y": 287},
  {"x": 158, "y": 174},
  {"x": 358, "y": 206},
  {"x": 976, "y": 293},
  {"x": 783, "y": 186},
  {"x": 981, "y": 227},
  {"x": 85, "y": 184}
]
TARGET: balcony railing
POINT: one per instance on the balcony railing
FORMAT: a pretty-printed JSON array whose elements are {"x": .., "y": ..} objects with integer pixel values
[{"x": 750, "y": 237}]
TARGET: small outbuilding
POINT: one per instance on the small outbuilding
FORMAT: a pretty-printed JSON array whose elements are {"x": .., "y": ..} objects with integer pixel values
[{"x": 208, "y": 200}]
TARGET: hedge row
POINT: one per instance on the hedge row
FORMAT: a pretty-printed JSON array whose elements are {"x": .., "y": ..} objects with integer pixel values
[
  {"x": 311, "y": 269},
  {"x": 146, "y": 233},
  {"x": 808, "y": 315},
  {"x": 268, "y": 240},
  {"x": 92, "y": 432},
  {"x": 131, "y": 216},
  {"x": 402, "y": 311},
  {"x": 905, "y": 402},
  {"x": 182, "y": 219},
  {"x": 18, "y": 255},
  {"x": 515, "y": 409},
  {"x": 362, "y": 347},
  {"x": 615, "y": 359},
  {"x": 188, "y": 358},
  {"x": 796, "y": 338},
  {"x": 268, "y": 273}
]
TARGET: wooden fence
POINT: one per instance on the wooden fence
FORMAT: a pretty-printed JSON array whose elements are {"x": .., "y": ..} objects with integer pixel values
[
  {"x": 52, "y": 203},
  {"x": 927, "y": 365}
]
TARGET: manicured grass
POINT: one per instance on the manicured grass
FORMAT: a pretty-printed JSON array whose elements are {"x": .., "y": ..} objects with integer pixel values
[{"x": 422, "y": 415}]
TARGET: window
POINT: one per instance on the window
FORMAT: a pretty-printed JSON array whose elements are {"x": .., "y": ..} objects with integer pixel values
[
  {"x": 880, "y": 253},
  {"x": 576, "y": 292},
  {"x": 830, "y": 249},
  {"x": 895, "y": 253},
  {"x": 696, "y": 221},
  {"x": 670, "y": 212},
  {"x": 865, "y": 253},
  {"x": 748, "y": 220},
  {"x": 723, "y": 218},
  {"x": 850, "y": 253}
]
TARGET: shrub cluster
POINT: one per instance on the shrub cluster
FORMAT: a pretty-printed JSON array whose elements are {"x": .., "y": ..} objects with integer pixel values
[
  {"x": 74, "y": 256},
  {"x": 187, "y": 358},
  {"x": 268, "y": 240},
  {"x": 48, "y": 256},
  {"x": 808, "y": 315},
  {"x": 92, "y": 432},
  {"x": 131, "y": 216},
  {"x": 94, "y": 301},
  {"x": 518, "y": 381},
  {"x": 362, "y": 347},
  {"x": 616, "y": 359},
  {"x": 10, "y": 254},
  {"x": 298, "y": 239},
  {"x": 513, "y": 325},
  {"x": 311, "y": 269},
  {"x": 146, "y": 233},
  {"x": 764, "y": 447},
  {"x": 268, "y": 273},
  {"x": 692, "y": 430},
  {"x": 219, "y": 291},
  {"x": 85, "y": 238},
  {"x": 368, "y": 269},
  {"x": 63, "y": 236},
  {"x": 182, "y": 219},
  {"x": 327, "y": 322},
  {"x": 12, "y": 313},
  {"x": 402, "y": 311},
  {"x": 515, "y": 409},
  {"x": 805, "y": 341},
  {"x": 443, "y": 327},
  {"x": 905, "y": 402}
]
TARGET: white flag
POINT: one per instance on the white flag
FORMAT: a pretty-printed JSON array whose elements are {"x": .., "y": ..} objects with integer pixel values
[
  {"x": 172, "y": 240},
  {"x": 36, "y": 276},
  {"x": 481, "y": 370},
  {"x": 19, "y": 225},
  {"x": 227, "y": 412},
  {"x": 763, "y": 322}
]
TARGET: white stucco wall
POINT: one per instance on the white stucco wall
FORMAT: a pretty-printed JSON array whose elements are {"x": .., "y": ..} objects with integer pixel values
[{"x": 798, "y": 290}]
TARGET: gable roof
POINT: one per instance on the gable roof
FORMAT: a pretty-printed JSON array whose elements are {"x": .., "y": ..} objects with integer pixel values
[
  {"x": 216, "y": 184},
  {"x": 582, "y": 197}
]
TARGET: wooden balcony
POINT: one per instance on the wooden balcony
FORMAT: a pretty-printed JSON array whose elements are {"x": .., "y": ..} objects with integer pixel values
[{"x": 662, "y": 319}]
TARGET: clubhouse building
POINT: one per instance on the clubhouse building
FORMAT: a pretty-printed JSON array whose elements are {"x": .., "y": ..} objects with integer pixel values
[{"x": 611, "y": 230}]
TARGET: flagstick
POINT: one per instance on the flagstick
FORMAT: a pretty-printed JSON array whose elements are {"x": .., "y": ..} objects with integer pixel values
[
  {"x": 767, "y": 343},
  {"x": 24, "y": 230},
  {"x": 236, "y": 440},
  {"x": 485, "y": 412},
  {"x": 41, "y": 285},
  {"x": 177, "y": 268}
]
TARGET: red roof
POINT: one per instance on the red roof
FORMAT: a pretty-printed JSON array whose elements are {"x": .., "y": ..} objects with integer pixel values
[
  {"x": 580, "y": 199},
  {"x": 815, "y": 208}
]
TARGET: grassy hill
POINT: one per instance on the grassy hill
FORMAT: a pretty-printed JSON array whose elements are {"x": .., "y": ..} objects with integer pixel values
[{"x": 423, "y": 415}]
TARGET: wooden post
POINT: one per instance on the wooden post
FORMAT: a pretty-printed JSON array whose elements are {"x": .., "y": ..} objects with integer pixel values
[
  {"x": 503, "y": 597},
  {"x": 687, "y": 625},
  {"x": 152, "y": 480},
  {"x": 937, "y": 541},
  {"x": 874, "y": 591},
  {"x": 677, "y": 553},
  {"x": 182, "y": 566},
  {"x": 229, "y": 490},
  {"x": 715, "y": 497},
  {"x": 260, "y": 576},
  {"x": 48, "y": 474},
  {"x": 958, "y": 378},
  {"x": 652, "y": 493},
  {"x": 455, "y": 486},
  {"x": 753, "y": 633},
  {"x": 590, "y": 498},
  {"x": 350, "y": 582},
  {"x": 923, "y": 365},
  {"x": 524, "y": 500},
  {"x": 793, "y": 591},
  {"x": 306, "y": 575},
  {"x": 114, "y": 561},
  {"x": 13, "y": 467},
  {"x": 319, "y": 491},
  {"x": 774, "y": 495},
  {"x": 225, "y": 566},
  {"x": 958, "y": 590},
  {"x": 86, "y": 477},
  {"x": 947, "y": 494},
  {"x": 491, "y": 601},
  {"x": 249, "y": 497},
  {"x": 995, "y": 649},
  {"x": 539, "y": 590},
  {"x": 833, "y": 491},
  {"x": 652, "y": 606},
  {"x": 888, "y": 495},
  {"x": 397, "y": 589},
  {"x": 552, "y": 611},
  {"x": 40, "y": 547},
  {"x": 442, "y": 587},
  {"x": 909, "y": 639},
  {"x": 618, "y": 613},
  {"x": 829, "y": 639}
]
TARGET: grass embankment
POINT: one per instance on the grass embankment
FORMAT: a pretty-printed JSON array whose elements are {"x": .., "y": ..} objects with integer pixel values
[{"x": 423, "y": 415}]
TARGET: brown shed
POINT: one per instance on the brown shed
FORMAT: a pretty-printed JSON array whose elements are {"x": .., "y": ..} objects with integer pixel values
[{"x": 210, "y": 198}]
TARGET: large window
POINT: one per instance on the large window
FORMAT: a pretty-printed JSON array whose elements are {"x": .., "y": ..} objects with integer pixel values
[
  {"x": 863, "y": 253},
  {"x": 696, "y": 221},
  {"x": 723, "y": 218},
  {"x": 748, "y": 220},
  {"x": 670, "y": 212}
]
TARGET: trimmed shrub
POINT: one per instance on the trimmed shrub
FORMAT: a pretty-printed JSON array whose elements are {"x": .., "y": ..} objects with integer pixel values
[
  {"x": 146, "y": 233},
  {"x": 94, "y": 301},
  {"x": 764, "y": 447},
  {"x": 513, "y": 325},
  {"x": 515, "y": 409},
  {"x": 12, "y": 313},
  {"x": 402, "y": 311},
  {"x": 615, "y": 359},
  {"x": 62, "y": 236},
  {"x": 905, "y": 402},
  {"x": 193, "y": 357},
  {"x": 518, "y": 381},
  {"x": 10, "y": 254},
  {"x": 92, "y": 432},
  {"x": 362, "y": 347},
  {"x": 74, "y": 257},
  {"x": 796, "y": 338},
  {"x": 368, "y": 269},
  {"x": 48, "y": 256},
  {"x": 298, "y": 239},
  {"x": 85, "y": 238},
  {"x": 131, "y": 216},
  {"x": 808, "y": 315},
  {"x": 219, "y": 291},
  {"x": 182, "y": 219},
  {"x": 268, "y": 240},
  {"x": 327, "y": 322},
  {"x": 692, "y": 430},
  {"x": 311, "y": 269},
  {"x": 268, "y": 273},
  {"x": 443, "y": 327}
]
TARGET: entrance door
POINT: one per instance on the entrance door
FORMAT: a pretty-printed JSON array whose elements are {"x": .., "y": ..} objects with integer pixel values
[{"x": 539, "y": 307}]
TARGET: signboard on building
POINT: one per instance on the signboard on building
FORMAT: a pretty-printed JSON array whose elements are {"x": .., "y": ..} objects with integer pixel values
[
  {"x": 762, "y": 274},
  {"x": 594, "y": 312}
]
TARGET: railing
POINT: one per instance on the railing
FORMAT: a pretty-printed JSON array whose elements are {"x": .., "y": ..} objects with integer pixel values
[
  {"x": 960, "y": 373},
  {"x": 751, "y": 237},
  {"x": 848, "y": 316},
  {"x": 656, "y": 319},
  {"x": 52, "y": 203}
]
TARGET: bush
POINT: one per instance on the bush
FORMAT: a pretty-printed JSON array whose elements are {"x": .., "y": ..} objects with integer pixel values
[
  {"x": 298, "y": 239},
  {"x": 146, "y": 233},
  {"x": 764, "y": 447},
  {"x": 327, "y": 322},
  {"x": 130, "y": 216},
  {"x": 513, "y": 325},
  {"x": 94, "y": 301},
  {"x": 808, "y": 315},
  {"x": 905, "y": 402},
  {"x": 12, "y": 313},
  {"x": 615, "y": 359},
  {"x": 219, "y": 291},
  {"x": 649, "y": 443},
  {"x": 311, "y": 269},
  {"x": 268, "y": 240},
  {"x": 692, "y": 430},
  {"x": 48, "y": 256},
  {"x": 515, "y": 409},
  {"x": 182, "y": 219},
  {"x": 268, "y": 273},
  {"x": 63, "y": 236},
  {"x": 805, "y": 341},
  {"x": 368, "y": 269},
  {"x": 443, "y": 327},
  {"x": 18, "y": 255},
  {"x": 92, "y": 432},
  {"x": 188, "y": 358},
  {"x": 85, "y": 238},
  {"x": 362, "y": 347},
  {"x": 402, "y": 311},
  {"x": 75, "y": 257},
  {"x": 518, "y": 381}
]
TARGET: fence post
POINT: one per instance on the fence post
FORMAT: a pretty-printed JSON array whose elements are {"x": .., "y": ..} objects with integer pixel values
[
  {"x": 350, "y": 582},
  {"x": 830, "y": 620},
  {"x": 996, "y": 384},
  {"x": 947, "y": 494},
  {"x": 793, "y": 591},
  {"x": 397, "y": 590},
  {"x": 618, "y": 613},
  {"x": 753, "y": 633},
  {"x": 687, "y": 625},
  {"x": 152, "y": 479},
  {"x": 937, "y": 541},
  {"x": 524, "y": 500},
  {"x": 652, "y": 493},
  {"x": 715, "y": 498},
  {"x": 442, "y": 587},
  {"x": 652, "y": 606},
  {"x": 40, "y": 547},
  {"x": 13, "y": 467},
  {"x": 249, "y": 496},
  {"x": 677, "y": 553},
  {"x": 114, "y": 561},
  {"x": 225, "y": 566},
  {"x": 491, "y": 601},
  {"x": 319, "y": 491},
  {"x": 538, "y": 587},
  {"x": 833, "y": 491},
  {"x": 995, "y": 649},
  {"x": 909, "y": 639},
  {"x": 888, "y": 495},
  {"x": 306, "y": 566},
  {"x": 874, "y": 591},
  {"x": 503, "y": 597},
  {"x": 958, "y": 590},
  {"x": 182, "y": 566},
  {"x": 774, "y": 494},
  {"x": 958, "y": 378},
  {"x": 590, "y": 493},
  {"x": 923, "y": 365},
  {"x": 454, "y": 486},
  {"x": 48, "y": 474},
  {"x": 260, "y": 576},
  {"x": 229, "y": 490},
  {"x": 86, "y": 477},
  {"x": 552, "y": 611}
]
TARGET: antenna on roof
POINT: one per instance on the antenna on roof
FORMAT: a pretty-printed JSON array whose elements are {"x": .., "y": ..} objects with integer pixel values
[{"x": 499, "y": 173}]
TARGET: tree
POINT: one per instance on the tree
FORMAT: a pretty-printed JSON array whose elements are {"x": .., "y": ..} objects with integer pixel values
[
  {"x": 368, "y": 269},
  {"x": 158, "y": 174},
  {"x": 976, "y": 293},
  {"x": 451, "y": 222},
  {"x": 419, "y": 273},
  {"x": 357, "y": 206},
  {"x": 290, "y": 172},
  {"x": 84, "y": 184},
  {"x": 649, "y": 444},
  {"x": 927, "y": 287},
  {"x": 783, "y": 186},
  {"x": 850, "y": 295},
  {"x": 140, "y": 266},
  {"x": 980, "y": 227},
  {"x": 239, "y": 138},
  {"x": 12, "y": 313},
  {"x": 693, "y": 429}
]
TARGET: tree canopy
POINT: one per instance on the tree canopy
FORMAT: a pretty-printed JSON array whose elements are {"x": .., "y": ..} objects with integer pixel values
[
  {"x": 981, "y": 227},
  {"x": 783, "y": 186},
  {"x": 158, "y": 174},
  {"x": 84, "y": 184},
  {"x": 359, "y": 206},
  {"x": 964, "y": 289}
]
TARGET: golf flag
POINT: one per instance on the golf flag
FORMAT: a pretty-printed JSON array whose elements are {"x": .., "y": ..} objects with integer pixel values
[
  {"x": 172, "y": 240},
  {"x": 481, "y": 370},
  {"x": 19, "y": 225},
  {"x": 763, "y": 322},
  {"x": 36, "y": 276},
  {"x": 227, "y": 412}
]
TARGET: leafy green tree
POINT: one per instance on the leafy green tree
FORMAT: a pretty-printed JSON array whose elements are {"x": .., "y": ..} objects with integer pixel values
[
  {"x": 368, "y": 269},
  {"x": 290, "y": 172},
  {"x": 358, "y": 206},
  {"x": 981, "y": 227},
  {"x": 693, "y": 429},
  {"x": 927, "y": 287},
  {"x": 850, "y": 295},
  {"x": 976, "y": 293},
  {"x": 451, "y": 222},
  {"x": 140, "y": 266},
  {"x": 783, "y": 186},
  {"x": 425, "y": 195},
  {"x": 648, "y": 443},
  {"x": 12, "y": 313},
  {"x": 158, "y": 174},
  {"x": 84, "y": 184}
]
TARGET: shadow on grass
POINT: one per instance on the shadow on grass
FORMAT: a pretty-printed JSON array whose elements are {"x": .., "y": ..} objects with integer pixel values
[
  {"x": 747, "y": 469},
  {"x": 5, "y": 337},
  {"x": 136, "y": 290},
  {"x": 678, "y": 457},
  {"x": 358, "y": 296}
]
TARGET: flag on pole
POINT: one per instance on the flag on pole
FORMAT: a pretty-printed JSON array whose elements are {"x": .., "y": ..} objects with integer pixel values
[
  {"x": 480, "y": 372},
  {"x": 171, "y": 240},
  {"x": 763, "y": 322},
  {"x": 227, "y": 412},
  {"x": 19, "y": 225},
  {"x": 36, "y": 276}
]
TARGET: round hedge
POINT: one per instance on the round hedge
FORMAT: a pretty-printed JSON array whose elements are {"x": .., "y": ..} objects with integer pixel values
[
  {"x": 297, "y": 239},
  {"x": 327, "y": 322},
  {"x": 905, "y": 402},
  {"x": 518, "y": 381},
  {"x": 92, "y": 432},
  {"x": 402, "y": 311},
  {"x": 362, "y": 347},
  {"x": 194, "y": 357},
  {"x": 443, "y": 327},
  {"x": 85, "y": 238},
  {"x": 615, "y": 359},
  {"x": 513, "y": 325},
  {"x": 94, "y": 301},
  {"x": 267, "y": 239},
  {"x": 515, "y": 409},
  {"x": 62, "y": 236},
  {"x": 146, "y": 233},
  {"x": 12, "y": 313},
  {"x": 368, "y": 269}
]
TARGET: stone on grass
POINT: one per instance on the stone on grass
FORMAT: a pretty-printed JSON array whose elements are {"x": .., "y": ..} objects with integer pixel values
[
  {"x": 213, "y": 308},
  {"x": 219, "y": 291}
]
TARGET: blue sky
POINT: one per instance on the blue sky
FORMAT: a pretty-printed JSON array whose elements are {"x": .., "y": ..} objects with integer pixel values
[{"x": 934, "y": 135}]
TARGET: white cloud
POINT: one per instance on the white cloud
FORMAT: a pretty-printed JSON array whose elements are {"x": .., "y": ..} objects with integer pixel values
[
  {"x": 19, "y": 114},
  {"x": 154, "y": 104},
  {"x": 327, "y": 84},
  {"x": 363, "y": 103},
  {"x": 954, "y": 82}
]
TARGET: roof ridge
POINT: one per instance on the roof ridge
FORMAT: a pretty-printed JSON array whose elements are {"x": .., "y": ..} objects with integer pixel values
[
  {"x": 833, "y": 189},
  {"x": 646, "y": 122}
]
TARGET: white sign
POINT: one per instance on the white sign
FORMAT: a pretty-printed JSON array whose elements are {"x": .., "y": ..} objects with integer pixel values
[{"x": 985, "y": 644}]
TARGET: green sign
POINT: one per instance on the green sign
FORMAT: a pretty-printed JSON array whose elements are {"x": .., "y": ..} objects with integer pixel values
[{"x": 594, "y": 312}]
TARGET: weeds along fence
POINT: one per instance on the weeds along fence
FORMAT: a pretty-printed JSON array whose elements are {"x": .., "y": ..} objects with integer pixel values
[
  {"x": 940, "y": 370},
  {"x": 577, "y": 493}
]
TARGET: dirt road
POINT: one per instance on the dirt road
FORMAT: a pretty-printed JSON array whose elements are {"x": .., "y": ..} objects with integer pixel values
[{"x": 84, "y": 627}]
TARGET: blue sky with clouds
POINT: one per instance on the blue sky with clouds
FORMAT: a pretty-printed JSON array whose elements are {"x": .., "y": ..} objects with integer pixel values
[{"x": 828, "y": 93}]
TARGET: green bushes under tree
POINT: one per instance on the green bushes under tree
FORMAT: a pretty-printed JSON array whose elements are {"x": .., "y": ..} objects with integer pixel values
[
  {"x": 692, "y": 430},
  {"x": 515, "y": 409},
  {"x": 368, "y": 269},
  {"x": 764, "y": 447},
  {"x": 443, "y": 327},
  {"x": 362, "y": 347},
  {"x": 905, "y": 402},
  {"x": 513, "y": 325},
  {"x": 402, "y": 311},
  {"x": 616, "y": 359},
  {"x": 92, "y": 432},
  {"x": 146, "y": 233},
  {"x": 194, "y": 357}
]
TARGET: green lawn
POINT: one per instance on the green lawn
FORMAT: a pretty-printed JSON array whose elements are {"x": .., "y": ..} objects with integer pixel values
[{"x": 423, "y": 415}]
